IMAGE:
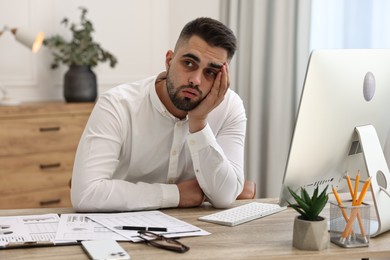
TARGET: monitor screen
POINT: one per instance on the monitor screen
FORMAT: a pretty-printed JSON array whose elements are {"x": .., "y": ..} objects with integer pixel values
[{"x": 343, "y": 89}]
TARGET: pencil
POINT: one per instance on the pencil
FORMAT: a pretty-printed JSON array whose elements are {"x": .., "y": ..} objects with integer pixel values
[
  {"x": 363, "y": 192},
  {"x": 348, "y": 226},
  {"x": 340, "y": 203},
  {"x": 357, "y": 202},
  {"x": 350, "y": 185},
  {"x": 357, "y": 179},
  {"x": 361, "y": 227}
]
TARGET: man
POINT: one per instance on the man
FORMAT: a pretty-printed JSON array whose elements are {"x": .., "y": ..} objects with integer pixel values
[{"x": 170, "y": 140}]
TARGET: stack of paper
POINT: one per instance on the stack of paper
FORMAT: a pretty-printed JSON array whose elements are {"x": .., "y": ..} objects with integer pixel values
[{"x": 52, "y": 229}]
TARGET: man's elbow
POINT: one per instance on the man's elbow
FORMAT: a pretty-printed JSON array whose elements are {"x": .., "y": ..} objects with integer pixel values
[
  {"x": 222, "y": 203},
  {"x": 80, "y": 203}
]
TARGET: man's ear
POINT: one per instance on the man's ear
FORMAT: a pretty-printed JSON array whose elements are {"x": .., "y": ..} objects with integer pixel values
[{"x": 168, "y": 59}]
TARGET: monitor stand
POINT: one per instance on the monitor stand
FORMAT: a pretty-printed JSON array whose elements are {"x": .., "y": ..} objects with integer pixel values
[{"x": 376, "y": 168}]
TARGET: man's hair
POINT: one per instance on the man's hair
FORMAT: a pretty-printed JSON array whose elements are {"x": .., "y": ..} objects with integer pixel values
[{"x": 213, "y": 32}]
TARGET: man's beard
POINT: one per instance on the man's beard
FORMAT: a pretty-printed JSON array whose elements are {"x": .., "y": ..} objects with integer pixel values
[{"x": 185, "y": 104}]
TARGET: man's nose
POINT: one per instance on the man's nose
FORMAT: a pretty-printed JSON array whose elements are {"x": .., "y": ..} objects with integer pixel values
[{"x": 195, "y": 78}]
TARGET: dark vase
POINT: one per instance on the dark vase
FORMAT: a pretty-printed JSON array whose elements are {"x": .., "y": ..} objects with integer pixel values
[{"x": 80, "y": 84}]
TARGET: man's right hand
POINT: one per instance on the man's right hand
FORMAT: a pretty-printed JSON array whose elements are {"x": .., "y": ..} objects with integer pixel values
[{"x": 191, "y": 195}]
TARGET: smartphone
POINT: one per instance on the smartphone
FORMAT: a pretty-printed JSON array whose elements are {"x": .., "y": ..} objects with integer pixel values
[{"x": 104, "y": 249}]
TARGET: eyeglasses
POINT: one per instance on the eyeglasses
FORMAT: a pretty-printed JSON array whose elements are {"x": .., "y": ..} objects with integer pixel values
[{"x": 162, "y": 242}]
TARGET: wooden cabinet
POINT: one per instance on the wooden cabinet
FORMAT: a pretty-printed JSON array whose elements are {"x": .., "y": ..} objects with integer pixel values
[{"x": 38, "y": 142}]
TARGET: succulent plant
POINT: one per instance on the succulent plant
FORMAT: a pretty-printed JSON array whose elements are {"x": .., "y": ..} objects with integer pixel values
[{"x": 309, "y": 207}]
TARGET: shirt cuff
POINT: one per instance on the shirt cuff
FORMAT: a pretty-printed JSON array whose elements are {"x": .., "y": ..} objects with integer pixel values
[
  {"x": 201, "y": 139},
  {"x": 170, "y": 196}
]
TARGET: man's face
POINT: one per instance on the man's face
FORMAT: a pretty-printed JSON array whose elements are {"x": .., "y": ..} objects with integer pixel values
[{"x": 191, "y": 71}]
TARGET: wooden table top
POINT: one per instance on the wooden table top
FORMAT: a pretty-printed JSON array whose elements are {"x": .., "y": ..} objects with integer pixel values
[{"x": 266, "y": 238}]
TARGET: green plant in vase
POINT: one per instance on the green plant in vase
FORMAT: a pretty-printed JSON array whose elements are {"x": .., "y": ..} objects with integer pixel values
[
  {"x": 310, "y": 230},
  {"x": 308, "y": 207},
  {"x": 81, "y": 53}
]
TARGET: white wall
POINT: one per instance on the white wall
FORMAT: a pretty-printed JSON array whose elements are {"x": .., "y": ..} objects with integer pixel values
[{"x": 137, "y": 32}]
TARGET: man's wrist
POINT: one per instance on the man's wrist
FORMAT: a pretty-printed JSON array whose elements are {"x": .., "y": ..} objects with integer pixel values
[
  {"x": 170, "y": 196},
  {"x": 196, "y": 125}
]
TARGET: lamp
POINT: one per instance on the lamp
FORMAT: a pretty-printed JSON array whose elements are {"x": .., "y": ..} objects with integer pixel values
[{"x": 27, "y": 39}]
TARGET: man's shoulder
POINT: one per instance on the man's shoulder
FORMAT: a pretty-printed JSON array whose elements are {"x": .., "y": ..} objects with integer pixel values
[
  {"x": 127, "y": 97},
  {"x": 232, "y": 98},
  {"x": 131, "y": 91},
  {"x": 231, "y": 106}
]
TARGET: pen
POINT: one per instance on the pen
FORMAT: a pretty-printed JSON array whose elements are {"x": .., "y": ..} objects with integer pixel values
[
  {"x": 4, "y": 226},
  {"x": 181, "y": 232},
  {"x": 138, "y": 228}
]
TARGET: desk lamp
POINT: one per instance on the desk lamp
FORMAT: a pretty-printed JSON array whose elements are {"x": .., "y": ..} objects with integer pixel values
[{"x": 29, "y": 40}]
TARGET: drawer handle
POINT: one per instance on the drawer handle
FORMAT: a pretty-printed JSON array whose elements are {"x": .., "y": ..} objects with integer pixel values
[
  {"x": 47, "y": 166},
  {"x": 49, "y": 202},
  {"x": 50, "y": 129}
]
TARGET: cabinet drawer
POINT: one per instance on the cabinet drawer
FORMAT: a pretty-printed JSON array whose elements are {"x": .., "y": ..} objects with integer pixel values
[
  {"x": 35, "y": 172},
  {"x": 49, "y": 198},
  {"x": 33, "y": 135}
]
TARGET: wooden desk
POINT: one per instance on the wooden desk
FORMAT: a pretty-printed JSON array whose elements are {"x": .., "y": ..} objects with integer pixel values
[{"x": 265, "y": 238}]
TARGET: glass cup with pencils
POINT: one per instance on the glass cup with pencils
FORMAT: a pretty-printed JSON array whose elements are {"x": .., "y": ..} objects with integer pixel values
[{"x": 350, "y": 219}]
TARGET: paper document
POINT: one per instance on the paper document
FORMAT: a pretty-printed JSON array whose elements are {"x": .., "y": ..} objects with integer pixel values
[
  {"x": 51, "y": 229},
  {"x": 19, "y": 231},
  {"x": 175, "y": 227},
  {"x": 81, "y": 227}
]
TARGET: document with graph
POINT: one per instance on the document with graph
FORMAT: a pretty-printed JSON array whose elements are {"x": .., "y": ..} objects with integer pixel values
[
  {"x": 78, "y": 226},
  {"x": 68, "y": 229},
  {"x": 30, "y": 230}
]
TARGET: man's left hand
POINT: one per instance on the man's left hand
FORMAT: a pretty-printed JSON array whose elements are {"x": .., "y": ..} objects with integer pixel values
[{"x": 198, "y": 116}]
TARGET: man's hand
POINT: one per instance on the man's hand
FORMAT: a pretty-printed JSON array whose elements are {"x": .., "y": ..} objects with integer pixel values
[
  {"x": 191, "y": 195},
  {"x": 198, "y": 116}
]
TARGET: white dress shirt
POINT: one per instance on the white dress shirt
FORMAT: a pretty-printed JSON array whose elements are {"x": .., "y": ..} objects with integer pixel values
[{"x": 133, "y": 151}]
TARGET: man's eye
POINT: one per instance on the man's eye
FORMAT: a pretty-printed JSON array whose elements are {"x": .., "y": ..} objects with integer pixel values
[
  {"x": 188, "y": 63},
  {"x": 211, "y": 73}
]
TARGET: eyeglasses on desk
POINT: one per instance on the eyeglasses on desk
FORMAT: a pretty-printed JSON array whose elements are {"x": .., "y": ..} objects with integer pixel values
[{"x": 162, "y": 242}]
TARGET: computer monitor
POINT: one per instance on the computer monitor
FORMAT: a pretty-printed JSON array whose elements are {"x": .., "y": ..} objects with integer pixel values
[{"x": 342, "y": 126}]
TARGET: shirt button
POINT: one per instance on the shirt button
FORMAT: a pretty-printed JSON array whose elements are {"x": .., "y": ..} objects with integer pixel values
[
  {"x": 171, "y": 181},
  {"x": 174, "y": 153},
  {"x": 192, "y": 142}
]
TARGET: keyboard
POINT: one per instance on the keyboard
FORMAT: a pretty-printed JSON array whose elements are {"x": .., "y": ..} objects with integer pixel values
[{"x": 241, "y": 214}]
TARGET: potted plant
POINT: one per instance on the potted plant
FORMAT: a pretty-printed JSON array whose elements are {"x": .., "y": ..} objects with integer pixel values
[
  {"x": 81, "y": 54},
  {"x": 310, "y": 229}
]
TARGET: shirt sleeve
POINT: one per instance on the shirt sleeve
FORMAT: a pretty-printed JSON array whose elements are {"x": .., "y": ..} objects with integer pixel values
[
  {"x": 218, "y": 158},
  {"x": 94, "y": 187}
]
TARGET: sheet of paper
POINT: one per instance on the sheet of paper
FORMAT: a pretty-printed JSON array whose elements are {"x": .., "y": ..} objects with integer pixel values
[
  {"x": 29, "y": 230},
  {"x": 175, "y": 227},
  {"x": 81, "y": 227}
]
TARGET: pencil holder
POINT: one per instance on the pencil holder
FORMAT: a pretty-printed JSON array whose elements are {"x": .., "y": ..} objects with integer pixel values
[{"x": 349, "y": 225}]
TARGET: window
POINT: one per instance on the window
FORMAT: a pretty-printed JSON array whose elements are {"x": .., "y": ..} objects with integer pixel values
[{"x": 350, "y": 24}]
